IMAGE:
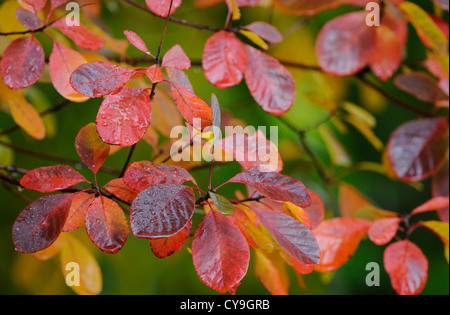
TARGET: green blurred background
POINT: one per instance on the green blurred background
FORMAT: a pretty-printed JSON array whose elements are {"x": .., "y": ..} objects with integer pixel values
[{"x": 135, "y": 270}]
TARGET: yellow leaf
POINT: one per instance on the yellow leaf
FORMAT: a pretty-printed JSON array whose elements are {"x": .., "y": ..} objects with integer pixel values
[
  {"x": 26, "y": 116},
  {"x": 90, "y": 275},
  {"x": 270, "y": 269},
  {"x": 6, "y": 154},
  {"x": 297, "y": 213},
  {"x": 255, "y": 39},
  {"x": 320, "y": 100},
  {"x": 8, "y": 21},
  {"x": 236, "y": 13},
  {"x": 365, "y": 131},
  {"x": 441, "y": 229},
  {"x": 360, "y": 114}
]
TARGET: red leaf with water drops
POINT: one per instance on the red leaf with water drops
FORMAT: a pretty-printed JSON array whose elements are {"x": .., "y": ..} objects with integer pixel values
[
  {"x": 316, "y": 210},
  {"x": 137, "y": 42},
  {"x": 155, "y": 74},
  {"x": 22, "y": 63},
  {"x": 28, "y": 19},
  {"x": 191, "y": 106},
  {"x": 418, "y": 148},
  {"x": 121, "y": 190},
  {"x": 407, "y": 267},
  {"x": 345, "y": 44},
  {"x": 80, "y": 34},
  {"x": 96, "y": 79},
  {"x": 124, "y": 117},
  {"x": 106, "y": 225},
  {"x": 224, "y": 60},
  {"x": 51, "y": 178},
  {"x": 295, "y": 237},
  {"x": 161, "y": 211},
  {"x": 40, "y": 224},
  {"x": 270, "y": 83},
  {"x": 141, "y": 175},
  {"x": 161, "y": 7},
  {"x": 165, "y": 247},
  {"x": 338, "y": 240},
  {"x": 220, "y": 252},
  {"x": 77, "y": 213},
  {"x": 176, "y": 58},
  {"x": 383, "y": 231},
  {"x": 91, "y": 149},
  {"x": 265, "y": 31},
  {"x": 275, "y": 186}
]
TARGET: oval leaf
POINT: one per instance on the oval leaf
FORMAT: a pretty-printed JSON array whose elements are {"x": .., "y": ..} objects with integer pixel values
[
  {"x": 418, "y": 148},
  {"x": 161, "y": 7},
  {"x": 77, "y": 213},
  {"x": 220, "y": 253},
  {"x": 271, "y": 85},
  {"x": 165, "y": 247},
  {"x": 407, "y": 267},
  {"x": 161, "y": 211},
  {"x": 176, "y": 58},
  {"x": 80, "y": 34},
  {"x": 106, "y": 225},
  {"x": 40, "y": 224},
  {"x": 383, "y": 231},
  {"x": 91, "y": 149},
  {"x": 96, "y": 79},
  {"x": 51, "y": 178},
  {"x": 275, "y": 186},
  {"x": 123, "y": 118},
  {"x": 22, "y": 63}
]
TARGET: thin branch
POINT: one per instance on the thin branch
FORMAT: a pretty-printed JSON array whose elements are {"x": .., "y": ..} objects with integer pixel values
[
  {"x": 55, "y": 158},
  {"x": 172, "y": 19}
]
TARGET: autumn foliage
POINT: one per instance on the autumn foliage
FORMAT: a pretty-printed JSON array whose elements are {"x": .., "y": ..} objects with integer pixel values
[{"x": 282, "y": 221}]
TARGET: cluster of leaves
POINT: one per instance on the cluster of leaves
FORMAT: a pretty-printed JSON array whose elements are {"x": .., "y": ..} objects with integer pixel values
[{"x": 279, "y": 218}]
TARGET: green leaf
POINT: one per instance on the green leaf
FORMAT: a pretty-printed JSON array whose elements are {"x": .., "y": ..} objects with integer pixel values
[{"x": 223, "y": 205}]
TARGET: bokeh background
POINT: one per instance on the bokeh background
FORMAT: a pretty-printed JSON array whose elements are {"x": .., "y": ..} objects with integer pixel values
[{"x": 135, "y": 270}]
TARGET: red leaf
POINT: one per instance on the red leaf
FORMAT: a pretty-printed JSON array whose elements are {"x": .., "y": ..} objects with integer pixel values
[
  {"x": 407, "y": 266},
  {"x": 96, "y": 79},
  {"x": 91, "y": 149},
  {"x": 433, "y": 204},
  {"x": 180, "y": 78},
  {"x": 121, "y": 190},
  {"x": 421, "y": 86},
  {"x": 57, "y": 3},
  {"x": 271, "y": 85},
  {"x": 224, "y": 60},
  {"x": 440, "y": 188},
  {"x": 275, "y": 186},
  {"x": 176, "y": 58},
  {"x": 141, "y": 175},
  {"x": 137, "y": 42},
  {"x": 40, "y": 224},
  {"x": 383, "y": 231},
  {"x": 51, "y": 178},
  {"x": 155, "y": 74},
  {"x": 292, "y": 235},
  {"x": 165, "y": 247},
  {"x": 29, "y": 19},
  {"x": 77, "y": 213},
  {"x": 191, "y": 106},
  {"x": 123, "y": 118},
  {"x": 63, "y": 62},
  {"x": 338, "y": 240},
  {"x": 220, "y": 252},
  {"x": 81, "y": 35},
  {"x": 265, "y": 31},
  {"x": 22, "y": 63},
  {"x": 161, "y": 211},
  {"x": 418, "y": 148},
  {"x": 345, "y": 44},
  {"x": 161, "y": 7},
  {"x": 106, "y": 225},
  {"x": 387, "y": 54}
]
